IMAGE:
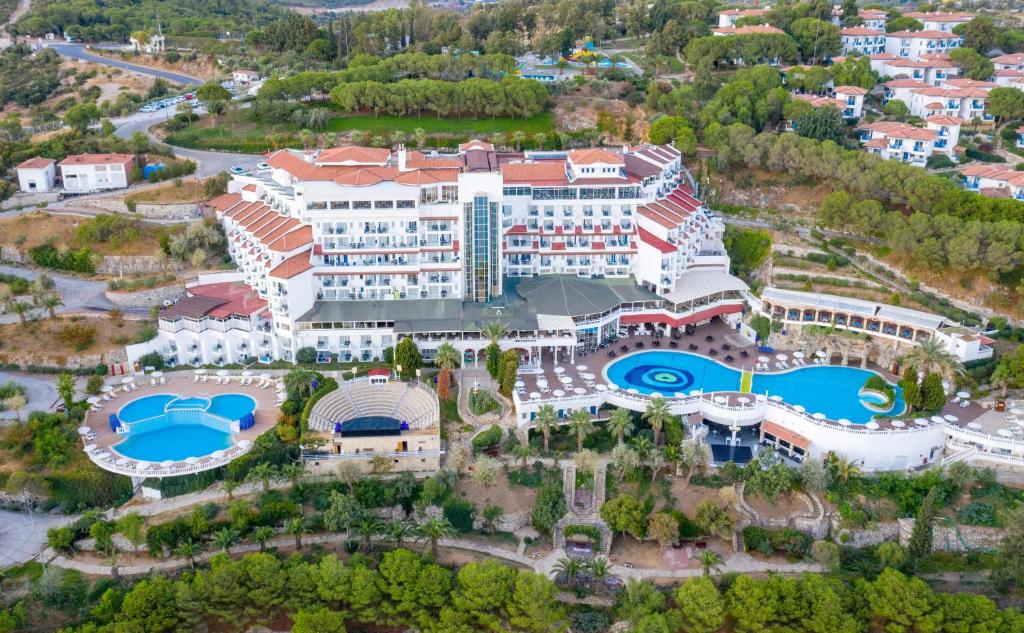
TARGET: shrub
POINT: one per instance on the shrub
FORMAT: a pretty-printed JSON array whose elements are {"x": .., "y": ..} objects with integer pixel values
[
  {"x": 487, "y": 439},
  {"x": 794, "y": 543},
  {"x": 482, "y": 402},
  {"x": 78, "y": 335},
  {"x": 48, "y": 256},
  {"x": 305, "y": 356},
  {"x": 460, "y": 513},
  {"x": 93, "y": 385},
  {"x": 152, "y": 359}
]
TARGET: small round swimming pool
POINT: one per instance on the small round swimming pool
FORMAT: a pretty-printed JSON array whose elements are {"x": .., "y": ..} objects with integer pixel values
[
  {"x": 828, "y": 389},
  {"x": 168, "y": 427}
]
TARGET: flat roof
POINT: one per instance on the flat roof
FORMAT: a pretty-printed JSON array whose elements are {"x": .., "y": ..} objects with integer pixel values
[
  {"x": 696, "y": 284},
  {"x": 854, "y": 306},
  {"x": 567, "y": 295}
]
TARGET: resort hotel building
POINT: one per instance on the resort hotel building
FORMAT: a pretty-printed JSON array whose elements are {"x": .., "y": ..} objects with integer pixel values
[{"x": 345, "y": 250}]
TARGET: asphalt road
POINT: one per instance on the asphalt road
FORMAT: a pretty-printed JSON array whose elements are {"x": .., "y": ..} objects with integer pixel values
[
  {"x": 40, "y": 391},
  {"x": 79, "y": 295},
  {"x": 78, "y": 51}
]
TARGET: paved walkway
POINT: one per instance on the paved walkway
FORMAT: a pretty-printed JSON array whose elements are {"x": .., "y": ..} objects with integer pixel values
[
  {"x": 40, "y": 391},
  {"x": 78, "y": 295},
  {"x": 22, "y": 535}
]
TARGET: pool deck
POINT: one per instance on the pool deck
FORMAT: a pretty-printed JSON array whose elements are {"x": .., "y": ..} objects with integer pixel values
[
  {"x": 181, "y": 383},
  {"x": 596, "y": 362}
]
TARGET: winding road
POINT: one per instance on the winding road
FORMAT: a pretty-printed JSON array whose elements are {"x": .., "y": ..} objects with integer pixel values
[
  {"x": 78, "y": 295},
  {"x": 79, "y": 52}
]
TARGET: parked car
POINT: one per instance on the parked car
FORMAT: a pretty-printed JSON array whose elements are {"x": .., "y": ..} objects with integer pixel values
[
  {"x": 262, "y": 167},
  {"x": 238, "y": 170}
]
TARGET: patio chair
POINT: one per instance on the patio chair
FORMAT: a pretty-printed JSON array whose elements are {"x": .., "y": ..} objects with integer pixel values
[
  {"x": 152, "y": 382},
  {"x": 964, "y": 404},
  {"x": 195, "y": 378}
]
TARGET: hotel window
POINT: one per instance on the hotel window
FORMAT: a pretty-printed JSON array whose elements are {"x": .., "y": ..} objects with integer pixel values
[
  {"x": 384, "y": 204},
  {"x": 339, "y": 204},
  {"x": 316, "y": 205},
  {"x": 362, "y": 204},
  {"x": 449, "y": 193},
  {"x": 406, "y": 204}
]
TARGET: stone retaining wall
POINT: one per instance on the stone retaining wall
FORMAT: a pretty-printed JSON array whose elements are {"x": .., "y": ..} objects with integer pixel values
[
  {"x": 77, "y": 361},
  {"x": 955, "y": 538},
  {"x": 25, "y": 200},
  {"x": 10, "y": 254},
  {"x": 131, "y": 264},
  {"x": 150, "y": 211},
  {"x": 868, "y": 536},
  {"x": 146, "y": 298}
]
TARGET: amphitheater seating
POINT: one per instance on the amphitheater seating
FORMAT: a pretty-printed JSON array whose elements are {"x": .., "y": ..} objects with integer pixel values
[{"x": 409, "y": 402}]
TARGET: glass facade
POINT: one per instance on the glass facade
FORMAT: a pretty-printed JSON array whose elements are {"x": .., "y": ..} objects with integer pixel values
[{"x": 481, "y": 265}]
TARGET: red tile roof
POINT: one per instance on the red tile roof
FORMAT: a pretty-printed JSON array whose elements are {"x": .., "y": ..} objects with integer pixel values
[
  {"x": 36, "y": 163},
  {"x": 298, "y": 238},
  {"x": 98, "y": 159},
  {"x": 750, "y": 29},
  {"x": 354, "y": 155},
  {"x": 858, "y": 31},
  {"x": 850, "y": 90},
  {"x": 293, "y": 266},
  {"x": 595, "y": 155},
  {"x": 540, "y": 173},
  {"x": 934, "y": 35},
  {"x": 238, "y": 297},
  {"x": 653, "y": 240},
  {"x": 224, "y": 202}
]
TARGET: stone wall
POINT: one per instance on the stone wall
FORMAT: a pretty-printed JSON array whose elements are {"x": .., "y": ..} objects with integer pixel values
[
  {"x": 131, "y": 264},
  {"x": 184, "y": 211},
  {"x": 865, "y": 537},
  {"x": 955, "y": 538},
  {"x": 147, "y": 298},
  {"x": 76, "y": 361},
  {"x": 25, "y": 200},
  {"x": 11, "y": 254}
]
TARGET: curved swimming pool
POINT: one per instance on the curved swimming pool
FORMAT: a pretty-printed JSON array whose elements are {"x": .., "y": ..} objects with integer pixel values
[
  {"x": 828, "y": 389},
  {"x": 168, "y": 427}
]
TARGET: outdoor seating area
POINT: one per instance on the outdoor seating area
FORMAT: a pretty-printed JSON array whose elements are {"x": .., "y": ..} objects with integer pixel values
[{"x": 111, "y": 461}]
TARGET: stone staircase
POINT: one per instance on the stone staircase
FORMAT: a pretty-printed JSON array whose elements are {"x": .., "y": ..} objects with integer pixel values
[{"x": 603, "y": 547}]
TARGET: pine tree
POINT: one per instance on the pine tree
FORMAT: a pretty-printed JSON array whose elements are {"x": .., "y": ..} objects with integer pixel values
[
  {"x": 911, "y": 392},
  {"x": 921, "y": 538},
  {"x": 932, "y": 394}
]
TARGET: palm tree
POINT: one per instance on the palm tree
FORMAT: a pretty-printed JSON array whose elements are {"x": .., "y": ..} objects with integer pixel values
[
  {"x": 229, "y": 486},
  {"x": 262, "y": 473},
  {"x": 293, "y": 472},
  {"x": 523, "y": 452},
  {"x": 709, "y": 561},
  {"x": 398, "y": 137},
  {"x": 621, "y": 424},
  {"x": 187, "y": 550},
  {"x": 447, "y": 358},
  {"x": 262, "y": 535},
  {"x": 569, "y": 568},
  {"x": 599, "y": 569},
  {"x": 545, "y": 420},
  {"x": 366, "y": 528},
  {"x": 50, "y": 303},
  {"x": 494, "y": 331},
  {"x": 518, "y": 137},
  {"x": 21, "y": 308},
  {"x": 224, "y": 539},
  {"x": 930, "y": 356},
  {"x": 643, "y": 446},
  {"x": 421, "y": 137},
  {"x": 433, "y": 531},
  {"x": 581, "y": 424},
  {"x": 845, "y": 469},
  {"x": 657, "y": 414},
  {"x": 398, "y": 531},
  {"x": 299, "y": 380},
  {"x": 297, "y": 527}
]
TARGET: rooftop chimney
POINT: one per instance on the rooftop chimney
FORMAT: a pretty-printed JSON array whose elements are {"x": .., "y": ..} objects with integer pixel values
[{"x": 401, "y": 158}]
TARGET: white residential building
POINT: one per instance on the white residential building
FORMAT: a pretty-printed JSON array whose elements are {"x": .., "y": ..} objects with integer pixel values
[
  {"x": 36, "y": 175},
  {"x": 994, "y": 181},
  {"x": 940, "y": 21},
  {"x": 1013, "y": 61},
  {"x": 961, "y": 98},
  {"x": 917, "y": 44},
  {"x": 352, "y": 248},
  {"x": 847, "y": 99},
  {"x": 750, "y": 29},
  {"x": 244, "y": 77},
  {"x": 899, "y": 141},
  {"x": 84, "y": 173},
  {"x": 932, "y": 70},
  {"x": 729, "y": 16},
  {"x": 861, "y": 40},
  {"x": 874, "y": 19},
  {"x": 1009, "y": 78}
]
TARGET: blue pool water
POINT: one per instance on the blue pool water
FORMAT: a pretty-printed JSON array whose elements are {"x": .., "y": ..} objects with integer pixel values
[
  {"x": 176, "y": 442},
  {"x": 831, "y": 390},
  {"x": 166, "y": 426}
]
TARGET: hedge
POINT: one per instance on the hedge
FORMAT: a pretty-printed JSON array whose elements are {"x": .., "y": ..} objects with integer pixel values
[
  {"x": 326, "y": 386},
  {"x": 488, "y": 439},
  {"x": 794, "y": 543},
  {"x": 589, "y": 531},
  {"x": 460, "y": 514}
]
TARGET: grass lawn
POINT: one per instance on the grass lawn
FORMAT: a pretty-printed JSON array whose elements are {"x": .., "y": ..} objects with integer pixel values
[{"x": 383, "y": 125}]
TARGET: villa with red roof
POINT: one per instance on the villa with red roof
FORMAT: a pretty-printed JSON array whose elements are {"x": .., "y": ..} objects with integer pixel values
[
  {"x": 729, "y": 16},
  {"x": 346, "y": 250},
  {"x": 910, "y": 144},
  {"x": 36, "y": 175},
  {"x": 917, "y": 44},
  {"x": 994, "y": 181}
]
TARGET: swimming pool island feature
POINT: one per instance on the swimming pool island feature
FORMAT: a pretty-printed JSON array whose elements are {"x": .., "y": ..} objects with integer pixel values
[{"x": 179, "y": 427}]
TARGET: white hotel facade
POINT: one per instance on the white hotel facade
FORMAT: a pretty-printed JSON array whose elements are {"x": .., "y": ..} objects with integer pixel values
[{"x": 346, "y": 250}]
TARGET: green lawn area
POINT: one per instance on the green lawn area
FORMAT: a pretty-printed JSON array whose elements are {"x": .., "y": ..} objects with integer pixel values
[
  {"x": 645, "y": 62},
  {"x": 543, "y": 122}
]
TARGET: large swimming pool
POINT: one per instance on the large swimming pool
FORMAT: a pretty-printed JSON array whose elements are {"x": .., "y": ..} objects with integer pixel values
[
  {"x": 166, "y": 426},
  {"x": 831, "y": 390}
]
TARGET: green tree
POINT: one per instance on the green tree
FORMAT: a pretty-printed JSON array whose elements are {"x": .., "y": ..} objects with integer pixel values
[
  {"x": 979, "y": 34},
  {"x": 263, "y": 473},
  {"x": 1011, "y": 549},
  {"x": 903, "y": 23},
  {"x": 1005, "y": 104},
  {"x": 66, "y": 390},
  {"x": 921, "y": 537},
  {"x": 432, "y": 531},
  {"x": 50, "y": 303},
  {"x": 823, "y": 124},
  {"x": 132, "y": 527},
  {"x": 657, "y": 415},
  {"x": 493, "y": 331},
  {"x": 930, "y": 356},
  {"x": 624, "y": 514},
  {"x": 509, "y": 370},
  {"x": 751, "y": 605},
  {"x": 1009, "y": 372},
  {"x": 544, "y": 421},
  {"x": 911, "y": 391},
  {"x": 214, "y": 96},
  {"x": 581, "y": 426},
  {"x": 816, "y": 39},
  {"x": 665, "y": 129},
  {"x": 407, "y": 356},
  {"x": 891, "y": 554},
  {"x": 713, "y": 519},
  {"x": 297, "y": 526},
  {"x": 972, "y": 64},
  {"x": 710, "y": 561},
  {"x": 621, "y": 424},
  {"x": 933, "y": 397},
  {"x": 318, "y": 619},
  {"x": 700, "y": 605},
  {"x": 80, "y": 116},
  {"x": 663, "y": 528},
  {"x": 262, "y": 536},
  {"x": 447, "y": 358}
]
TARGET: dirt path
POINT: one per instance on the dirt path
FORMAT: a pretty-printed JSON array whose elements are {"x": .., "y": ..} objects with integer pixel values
[{"x": 20, "y": 10}]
